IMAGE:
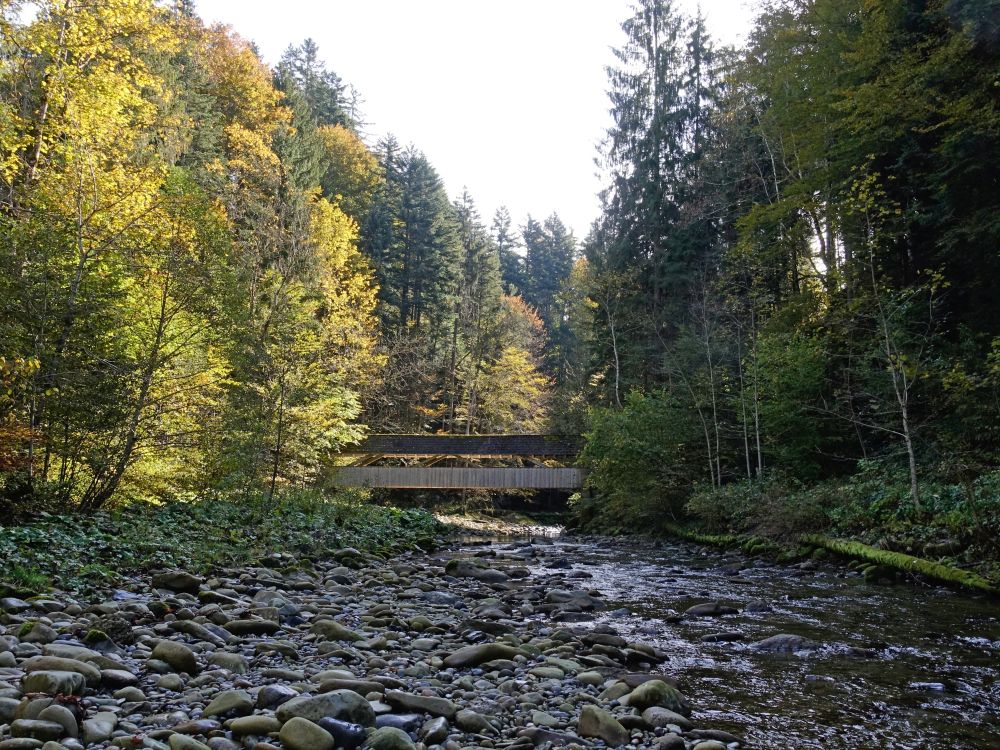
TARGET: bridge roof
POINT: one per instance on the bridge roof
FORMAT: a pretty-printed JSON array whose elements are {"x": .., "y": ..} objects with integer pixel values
[{"x": 500, "y": 446}]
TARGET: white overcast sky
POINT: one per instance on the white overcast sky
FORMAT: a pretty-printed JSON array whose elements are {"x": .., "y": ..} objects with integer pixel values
[{"x": 506, "y": 98}]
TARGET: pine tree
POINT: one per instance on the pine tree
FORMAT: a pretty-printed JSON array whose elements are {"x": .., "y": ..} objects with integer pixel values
[
  {"x": 511, "y": 263},
  {"x": 326, "y": 95}
]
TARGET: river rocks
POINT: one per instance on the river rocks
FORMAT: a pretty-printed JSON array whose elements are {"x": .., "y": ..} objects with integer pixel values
[
  {"x": 37, "y": 729},
  {"x": 259, "y": 724},
  {"x": 53, "y": 682},
  {"x": 229, "y": 703},
  {"x": 272, "y": 696},
  {"x": 13, "y": 605},
  {"x": 38, "y": 632},
  {"x": 472, "y": 656},
  {"x": 252, "y": 627},
  {"x": 471, "y": 569},
  {"x": 655, "y": 716},
  {"x": 390, "y": 738},
  {"x": 338, "y": 704},
  {"x": 470, "y": 721},
  {"x": 596, "y": 722},
  {"x": 427, "y": 704},
  {"x": 90, "y": 673},
  {"x": 347, "y": 735},
  {"x": 334, "y": 631},
  {"x": 177, "y": 580},
  {"x": 785, "y": 643},
  {"x": 183, "y": 742},
  {"x": 99, "y": 727},
  {"x": 235, "y": 663},
  {"x": 180, "y": 657},
  {"x": 344, "y": 652},
  {"x": 301, "y": 734},
  {"x": 63, "y": 716},
  {"x": 658, "y": 693},
  {"x": 710, "y": 609},
  {"x": 580, "y": 599}
]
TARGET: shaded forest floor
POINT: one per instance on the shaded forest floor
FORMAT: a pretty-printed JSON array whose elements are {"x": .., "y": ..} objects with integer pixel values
[{"x": 79, "y": 553}]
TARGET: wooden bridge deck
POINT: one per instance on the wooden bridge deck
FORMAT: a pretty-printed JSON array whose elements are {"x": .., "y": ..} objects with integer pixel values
[
  {"x": 451, "y": 478},
  {"x": 478, "y": 446}
]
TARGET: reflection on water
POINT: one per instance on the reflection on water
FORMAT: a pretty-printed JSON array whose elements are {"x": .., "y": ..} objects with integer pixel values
[{"x": 904, "y": 666}]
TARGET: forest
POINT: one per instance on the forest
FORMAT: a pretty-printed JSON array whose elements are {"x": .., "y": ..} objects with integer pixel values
[{"x": 782, "y": 322}]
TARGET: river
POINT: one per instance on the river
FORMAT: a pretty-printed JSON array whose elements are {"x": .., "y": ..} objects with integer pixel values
[{"x": 900, "y": 666}]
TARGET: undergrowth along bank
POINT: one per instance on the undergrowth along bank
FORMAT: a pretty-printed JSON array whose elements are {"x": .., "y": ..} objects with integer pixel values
[{"x": 76, "y": 552}]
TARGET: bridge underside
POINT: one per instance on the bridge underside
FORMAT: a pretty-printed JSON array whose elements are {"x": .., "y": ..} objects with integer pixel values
[{"x": 456, "y": 478}]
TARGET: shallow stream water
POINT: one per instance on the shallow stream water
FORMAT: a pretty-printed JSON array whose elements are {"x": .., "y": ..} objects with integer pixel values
[{"x": 900, "y": 666}]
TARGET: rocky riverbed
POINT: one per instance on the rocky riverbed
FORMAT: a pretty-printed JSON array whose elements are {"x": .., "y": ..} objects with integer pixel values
[
  {"x": 525, "y": 644},
  {"x": 492, "y": 648}
]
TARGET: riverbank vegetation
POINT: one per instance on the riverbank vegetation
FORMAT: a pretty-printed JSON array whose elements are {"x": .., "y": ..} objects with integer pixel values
[
  {"x": 793, "y": 325},
  {"x": 78, "y": 552}
]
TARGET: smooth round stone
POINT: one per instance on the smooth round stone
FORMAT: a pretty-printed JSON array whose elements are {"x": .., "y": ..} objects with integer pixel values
[
  {"x": 407, "y": 722},
  {"x": 131, "y": 694},
  {"x": 229, "y": 703},
  {"x": 435, "y": 731},
  {"x": 118, "y": 678},
  {"x": 470, "y": 721},
  {"x": 183, "y": 742},
  {"x": 301, "y": 734},
  {"x": 235, "y": 663},
  {"x": 53, "y": 682},
  {"x": 177, "y": 655},
  {"x": 37, "y": 729},
  {"x": 544, "y": 719},
  {"x": 346, "y": 734},
  {"x": 390, "y": 738},
  {"x": 20, "y": 743},
  {"x": 99, "y": 727},
  {"x": 259, "y": 724},
  {"x": 170, "y": 682},
  {"x": 61, "y": 715},
  {"x": 272, "y": 696}
]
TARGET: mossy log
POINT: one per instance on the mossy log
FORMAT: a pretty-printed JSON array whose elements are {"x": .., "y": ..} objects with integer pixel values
[
  {"x": 715, "y": 540},
  {"x": 901, "y": 561}
]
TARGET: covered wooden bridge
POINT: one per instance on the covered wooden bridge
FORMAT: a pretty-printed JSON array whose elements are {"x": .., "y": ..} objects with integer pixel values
[{"x": 430, "y": 462}]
